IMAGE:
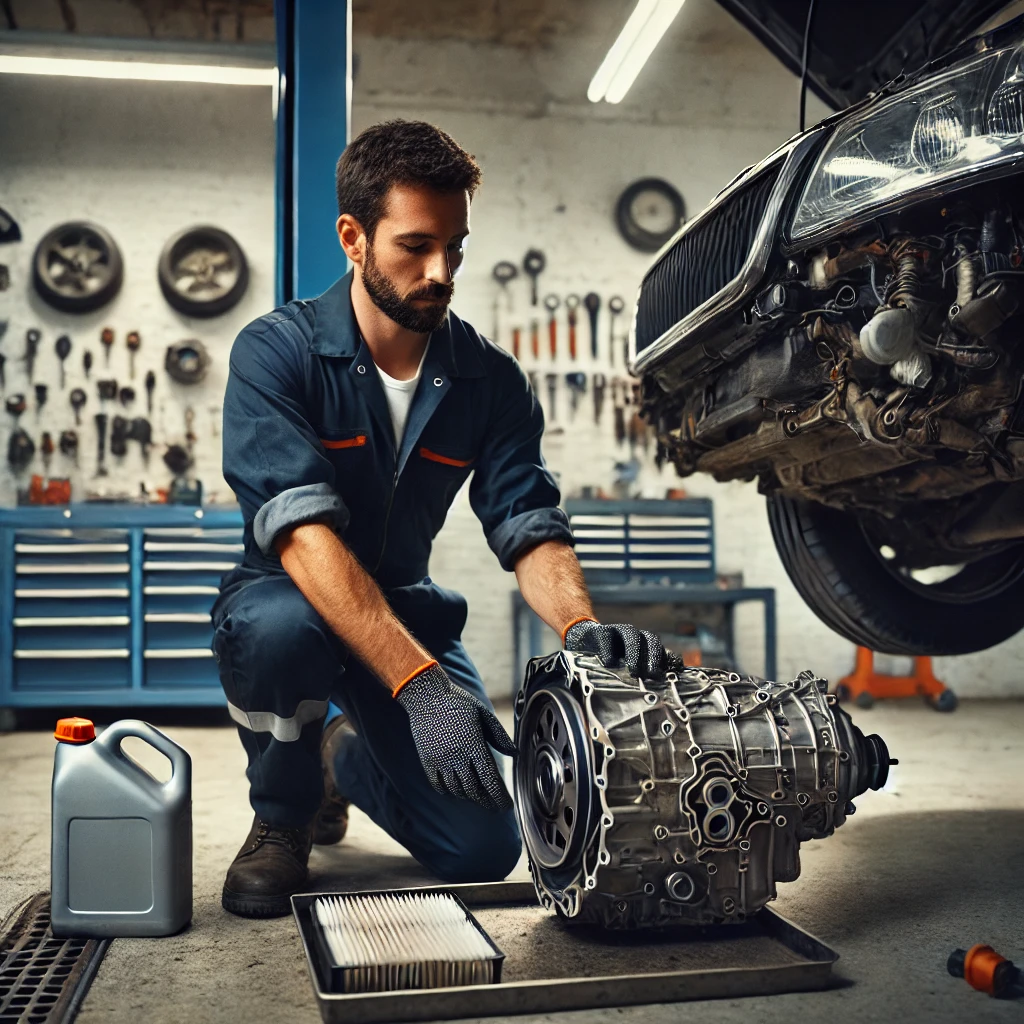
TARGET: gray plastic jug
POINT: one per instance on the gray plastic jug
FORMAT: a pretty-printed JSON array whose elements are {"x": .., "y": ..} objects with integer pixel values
[{"x": 121, "y": 850}]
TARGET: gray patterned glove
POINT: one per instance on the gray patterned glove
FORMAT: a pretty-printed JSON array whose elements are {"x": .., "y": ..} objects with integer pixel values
[
  {"x": 643, "y": 653},
  {"x": 451, "y": 730}
]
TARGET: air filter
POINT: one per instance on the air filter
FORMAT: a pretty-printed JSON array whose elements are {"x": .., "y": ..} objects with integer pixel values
[{"x": 386, "y": 942}]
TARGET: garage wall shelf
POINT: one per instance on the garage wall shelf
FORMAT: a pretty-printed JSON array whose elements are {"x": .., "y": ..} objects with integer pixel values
[
  {"x": 106, "y": 604},
  {"x": 639, "y": 555}
]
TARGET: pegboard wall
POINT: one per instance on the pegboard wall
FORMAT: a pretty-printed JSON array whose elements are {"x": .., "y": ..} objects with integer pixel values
[{"x": 144, "y": 162}]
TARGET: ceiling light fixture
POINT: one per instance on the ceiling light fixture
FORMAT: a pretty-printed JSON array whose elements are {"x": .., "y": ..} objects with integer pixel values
[
  {"x": 74, "y": 67},
  {"x": 628, "y": 54}
]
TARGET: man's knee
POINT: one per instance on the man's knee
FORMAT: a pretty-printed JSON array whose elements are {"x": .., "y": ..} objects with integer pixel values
[
  {"x": 278, "y": 633},
  {"x": 486, "y": 852}
]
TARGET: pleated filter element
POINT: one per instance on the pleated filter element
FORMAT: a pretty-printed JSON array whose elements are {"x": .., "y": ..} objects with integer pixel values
[{"x": 386, "y": 941}]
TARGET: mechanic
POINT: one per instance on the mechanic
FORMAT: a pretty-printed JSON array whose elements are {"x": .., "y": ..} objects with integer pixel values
[{"x": 350, "y": 422}]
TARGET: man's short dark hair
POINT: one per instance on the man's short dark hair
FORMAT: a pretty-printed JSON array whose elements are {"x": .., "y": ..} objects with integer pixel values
[{"x": 400, "y": 153}]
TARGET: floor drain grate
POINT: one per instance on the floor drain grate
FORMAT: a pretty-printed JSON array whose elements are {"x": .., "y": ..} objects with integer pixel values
[{"x": 43, "y": 979}]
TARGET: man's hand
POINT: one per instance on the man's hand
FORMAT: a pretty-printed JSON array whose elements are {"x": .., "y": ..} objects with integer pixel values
[
  {"x": 451, "y": 730},
  {"x": 643, "y": 653}
]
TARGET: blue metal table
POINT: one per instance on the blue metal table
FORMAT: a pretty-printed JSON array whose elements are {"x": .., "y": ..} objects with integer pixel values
[{"x": 528, "y": 629}]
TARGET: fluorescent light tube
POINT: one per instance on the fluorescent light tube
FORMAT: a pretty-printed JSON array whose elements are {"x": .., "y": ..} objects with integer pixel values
[
  {"x": 627, "y": 37},
  {"x": 628, "y": 54},
  {"x": 213, "y": 74}
]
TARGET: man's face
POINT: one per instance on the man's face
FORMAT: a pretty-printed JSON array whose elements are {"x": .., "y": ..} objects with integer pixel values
[{"x": 407, "y": 268}]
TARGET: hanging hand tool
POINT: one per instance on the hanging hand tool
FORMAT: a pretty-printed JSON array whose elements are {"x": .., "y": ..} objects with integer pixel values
[
  {"x": 552, "y": 379},
  {"x": 551, "y": 303},
  {"x": 69, "y": 445},
  {"x": 177, "y": 460},
  {"x": 503, "y": 272},
  {"x": 190, "y": 434},
  {"x": 572, "y": 304},
  {"x": 134, "y": 342},
  {"x": 534, "y": 383},
  {"x": 32, "y": 337},
  {"x": 150, "y": 384},
  {"x": 535, "y": 338},
  {"x": 20, "y": 449},
  {"x": 78, "y": 399},
  {"x": 592, "y": 302},
  {"x": 107, "y": 339},
  {"x": 615, "y": 308},
  {"x": 107, "y": 390},
  {"x": 63, "y": 348},
  {"x": 577, "y": 383},
  {"x": 142, "y": 432},
  {"x": 118, "y": 436},
  {"x": 15, "y": 405},
  {"x": 101, "y": 442},
  {"x": 3, "y": 381},
  {"x": 534, "y": 263},
  {"x": 126, "y": 396},
  {"x": 87, "y": 362},
  {"x": 516, "y": 332},
  {"x": 46, "y": 447},
  {"x": 598, "y": 382},
  {"x": 620, "y": 412},
  {"x": 41, "y": 390}
]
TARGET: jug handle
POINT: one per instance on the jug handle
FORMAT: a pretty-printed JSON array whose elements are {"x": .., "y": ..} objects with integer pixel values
[{"x": 181, "y": 763}]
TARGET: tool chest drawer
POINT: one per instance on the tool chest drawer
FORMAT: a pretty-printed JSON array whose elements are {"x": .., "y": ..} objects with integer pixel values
[
  {"x": 110, "y": 604},
  {"x": 644, "y": 540}
]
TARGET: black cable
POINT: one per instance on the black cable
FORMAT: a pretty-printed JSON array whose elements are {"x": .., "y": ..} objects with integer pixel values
[
  {"x": 12, "y": 24},
  {"x": 804, "y": 63}
]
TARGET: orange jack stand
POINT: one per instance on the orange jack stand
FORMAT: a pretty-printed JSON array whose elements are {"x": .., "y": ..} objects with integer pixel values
[{"x": 865, "y": 685}]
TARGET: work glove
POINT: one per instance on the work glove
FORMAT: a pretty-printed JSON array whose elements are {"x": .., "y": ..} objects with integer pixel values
[
  {"x": 451, "y": 730},
  {"x": 643, "y": 653}
]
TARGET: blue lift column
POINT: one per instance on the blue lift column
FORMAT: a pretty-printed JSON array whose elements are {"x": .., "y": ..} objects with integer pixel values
[{"x": 314, "y": 60}]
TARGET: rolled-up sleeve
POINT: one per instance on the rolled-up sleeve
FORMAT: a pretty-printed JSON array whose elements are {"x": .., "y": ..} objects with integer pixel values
[
  {"x": 272, "y": 457},
  {"x": 512, "y": 492}
]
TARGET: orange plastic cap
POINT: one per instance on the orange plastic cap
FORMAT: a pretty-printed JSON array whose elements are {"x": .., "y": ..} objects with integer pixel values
[
  {"x": 75, "y": 730},
  {"x": 980, "y": 968}
]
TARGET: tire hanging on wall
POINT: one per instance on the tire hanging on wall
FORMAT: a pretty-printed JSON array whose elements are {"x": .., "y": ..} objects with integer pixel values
[
  {"x": 77, "y": 267},
  {"x": 649, "y": 212},
  {"x": 202, "y": 271}
]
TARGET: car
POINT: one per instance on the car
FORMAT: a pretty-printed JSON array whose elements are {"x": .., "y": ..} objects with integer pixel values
[{"x": 843, "y": 324}]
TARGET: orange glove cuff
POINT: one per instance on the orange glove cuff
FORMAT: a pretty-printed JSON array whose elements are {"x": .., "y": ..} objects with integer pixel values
[
  {"x": 412, "y": 675},
  {"x": 582, "y": 618}
]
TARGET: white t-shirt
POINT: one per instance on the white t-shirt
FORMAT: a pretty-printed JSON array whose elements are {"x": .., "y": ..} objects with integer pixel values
[{"x": 399, "y": 395}]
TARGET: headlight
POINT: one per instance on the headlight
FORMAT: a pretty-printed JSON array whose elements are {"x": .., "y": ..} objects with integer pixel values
[{"x": 968, "y": 118}]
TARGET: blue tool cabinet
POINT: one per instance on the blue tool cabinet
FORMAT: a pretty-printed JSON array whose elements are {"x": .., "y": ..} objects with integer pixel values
[{"x": 109, "y": 605}]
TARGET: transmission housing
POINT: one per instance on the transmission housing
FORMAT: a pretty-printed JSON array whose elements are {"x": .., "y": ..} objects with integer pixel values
[{"x": 683, "y": 799}]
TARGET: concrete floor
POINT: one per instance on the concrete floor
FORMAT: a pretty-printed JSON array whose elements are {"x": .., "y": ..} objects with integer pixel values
[{"x": 934, "y": 861}]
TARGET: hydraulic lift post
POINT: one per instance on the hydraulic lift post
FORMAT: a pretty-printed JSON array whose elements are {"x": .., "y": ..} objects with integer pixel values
[{"x": 313, "y": 112}]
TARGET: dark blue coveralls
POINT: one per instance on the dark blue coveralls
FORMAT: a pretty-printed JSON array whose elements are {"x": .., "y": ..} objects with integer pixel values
[{"x": 307, "y": 434}]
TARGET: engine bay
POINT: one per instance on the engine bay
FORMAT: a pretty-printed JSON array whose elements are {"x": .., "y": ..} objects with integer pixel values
[{"x": 879, "y": 373}]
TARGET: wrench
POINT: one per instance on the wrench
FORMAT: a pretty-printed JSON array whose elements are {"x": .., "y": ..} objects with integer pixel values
[
  {"x": 551, "y": 303},
  {"x": 592, "y": 302},
  {"x": 572, "y": 304}
]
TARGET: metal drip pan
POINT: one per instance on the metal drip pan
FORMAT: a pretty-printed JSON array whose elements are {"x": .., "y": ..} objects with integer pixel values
[{"x": 550, "y": 967}]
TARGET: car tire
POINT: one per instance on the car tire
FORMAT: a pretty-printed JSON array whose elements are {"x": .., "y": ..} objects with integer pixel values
[
  {"x": 845, "y": 582},
  {"x": 80, "y": 284},
  {"x": 203, "y": 244}
]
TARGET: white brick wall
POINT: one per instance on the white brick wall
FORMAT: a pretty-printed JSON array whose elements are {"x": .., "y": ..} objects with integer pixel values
[{"x": 148, "y": 159}]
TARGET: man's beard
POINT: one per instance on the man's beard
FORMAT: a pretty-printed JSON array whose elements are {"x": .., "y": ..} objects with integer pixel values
[{"x": 421, "y": 319}]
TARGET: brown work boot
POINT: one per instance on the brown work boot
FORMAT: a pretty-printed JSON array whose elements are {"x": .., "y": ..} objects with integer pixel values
[
  {"x": 269, "y": 867},
  {"x": 331, "y": 821}
]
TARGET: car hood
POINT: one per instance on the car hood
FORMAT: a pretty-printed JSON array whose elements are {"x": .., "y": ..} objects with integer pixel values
[{"x": 852, "y": 55}]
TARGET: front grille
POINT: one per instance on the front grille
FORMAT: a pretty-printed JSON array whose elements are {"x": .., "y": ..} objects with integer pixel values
[{"x": 704, "y": 260}]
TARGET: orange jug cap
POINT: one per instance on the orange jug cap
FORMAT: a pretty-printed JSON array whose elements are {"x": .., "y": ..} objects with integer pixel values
[{"x": 75, "y": 730}]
